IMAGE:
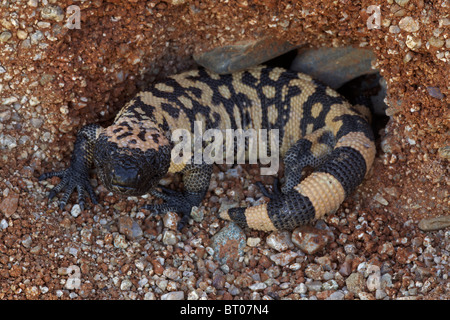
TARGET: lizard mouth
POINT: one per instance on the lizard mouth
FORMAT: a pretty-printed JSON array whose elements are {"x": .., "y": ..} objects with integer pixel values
[{"x": 126, "y": 190}]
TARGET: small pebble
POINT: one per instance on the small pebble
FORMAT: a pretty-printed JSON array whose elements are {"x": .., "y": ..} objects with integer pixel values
[
  {"x": 394, "y": 29},
  {"x": 301, "y": 289},
  {"x": 366, "y": 296},
  {"x": 5, "y": 36},
  {"x": 149, "y": 296},
  {"x": 330, "y": 285},
  {"x": 129, "y": 228},
  {"x": 258, "y": 286},
  {"x": 75, "y": 211},
  {"x": 279, "y": 241},
  {"x": 379, "y": 198},
  {"x": 3, "y": 224},
  {"x": 310, "y": 240},
  {"x": 355, "y": 282},
  {"x": 414, "y": 43},
  {"x": 120, "y": 242},
  {"x": 175, "y": 295},
  {"x": 337, "y": 295},
  {"x": 253, "y": 242},
  {"x": 435, "y": 223},
  {"x": 436, "y": 42},
  {"x": 22, "y": 35},
  {"x": 9, "y": 204},
  {"x": 314, "y": 285},
  {"x": 283, "y": 258},
  {"x": 169, "y": 238},
  {"x": 314, "y": 271},
  {"x": 380, "y": 294},
  {"x": 126, "y": 285},
  {"x": 170, "y": 220},
  {"x": 409, "y": 24},
  {"x": 228, "y": 243},
  {"x": 373, "y": 282},
  {"x": 52, "y": 12},
  {"x": 444, "y": 152},
  {"x": 401, "y": 2},
  {"x": 435, "y": 93}
]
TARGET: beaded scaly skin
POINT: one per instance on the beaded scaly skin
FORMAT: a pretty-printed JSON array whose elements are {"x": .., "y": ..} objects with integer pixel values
[{"x": 317, "y": 127}]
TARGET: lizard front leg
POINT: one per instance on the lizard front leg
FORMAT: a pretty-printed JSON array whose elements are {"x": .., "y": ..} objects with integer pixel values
[
  {"x": 77, "y": 175},
  {"x": 196, "y": 178}
]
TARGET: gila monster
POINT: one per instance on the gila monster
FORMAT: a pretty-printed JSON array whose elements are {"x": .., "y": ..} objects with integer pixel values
[{"x": 317, "y": 127}]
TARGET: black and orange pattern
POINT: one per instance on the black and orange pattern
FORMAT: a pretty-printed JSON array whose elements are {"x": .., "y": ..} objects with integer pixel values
[{"x": 317, "y": 127}]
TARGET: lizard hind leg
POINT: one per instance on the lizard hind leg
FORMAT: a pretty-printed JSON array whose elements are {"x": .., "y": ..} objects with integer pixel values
[{"x": 309, "y": 151}]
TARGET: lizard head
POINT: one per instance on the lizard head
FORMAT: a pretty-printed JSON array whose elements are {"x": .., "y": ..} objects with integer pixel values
[{"x": 131, "y": 158}]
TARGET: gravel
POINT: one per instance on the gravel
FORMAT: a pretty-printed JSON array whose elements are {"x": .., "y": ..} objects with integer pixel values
[{"x": 53, "y": 81}]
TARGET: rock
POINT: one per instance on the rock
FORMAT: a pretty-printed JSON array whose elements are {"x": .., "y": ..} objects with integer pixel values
[
  {"x": 170, "y": 220},
  {"x": 21, "y": 34},
  {"x": 157, "y": 266},
  {"x": 172, "y": 274},
  {"x": 334, "y": 66},
  {"x": 9, "y": 204},
  {"x": 4, "y": 224},
  {"x": 129, "y": 228},
  {"x": 373, "y": 282},
  {"x": 174, "y": 295},
  {"x": 338, "y": 295},
  {"x": 242, "y": 55},
  {"x": 75, "y": 211},
  {"x": 253, "y": 242},
  {"x": 409, "y": 24},
  {"x": 394, "y": 29},
  {"x": 380, "y": 294},
  {"x": 7, "y": 141},
  {"x": 52, "y": 12},
  {"x": 86, "y": 236},
  {"x": 330, "y": 285},
  {"x": 300, "y": 289},
  {"x": 279, "y": 241},
  {"x": 197, "y": 214},
  {"x": 228, "y": 244},
  {"x": 120, "y": 242},
  {"x": 435, "y": 223},
  {"x": 435, "y": 93},
  {"x": 309, "y": 239},
  {"x": 283, "y": 258},
  {"x": 126, "y": 285},
  {"x": 355, "y": 282},
  {"x": 314, "y": 286},
  {"x": 386, "y": 281},
  {"x": 401, "y": 2},
  {"x": 379, "y": 198},
  {"x": 444, "y": 152},
  {"x": 414, "y": 43},
  {"x": 386, "y": 248},
  {"x": 366, "y": 296},
  {"x": 314, "y": 271},
  {"x": 5, "y": 36},
  {"x": 436, "y": 42},
  {"x": 258, "y": 286},
  {"x": 170, "y": 238}
]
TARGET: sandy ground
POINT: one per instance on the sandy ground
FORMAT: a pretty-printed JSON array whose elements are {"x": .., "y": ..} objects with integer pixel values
[{"x": 54, "y": 80}]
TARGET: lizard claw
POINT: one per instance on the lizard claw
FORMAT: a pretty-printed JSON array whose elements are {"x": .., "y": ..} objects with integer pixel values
[
  {"x": 276, "y": 193},
  {"x": 70, "y": 179},
  {"x": 174, "y": 201}
]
